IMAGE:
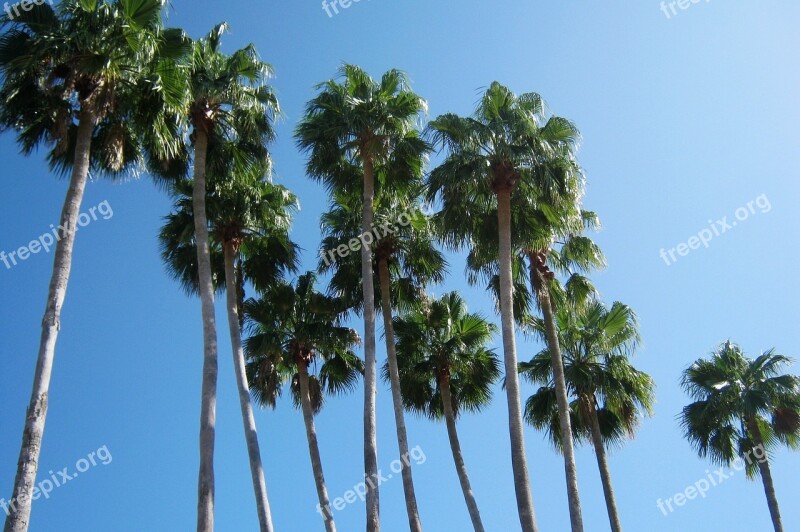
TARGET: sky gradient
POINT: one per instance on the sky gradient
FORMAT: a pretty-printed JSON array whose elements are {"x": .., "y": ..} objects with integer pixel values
[{"x": 684, "y": 120}]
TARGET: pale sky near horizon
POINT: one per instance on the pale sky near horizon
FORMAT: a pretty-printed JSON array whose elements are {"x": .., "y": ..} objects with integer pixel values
[{"x": 685, "y": 120}]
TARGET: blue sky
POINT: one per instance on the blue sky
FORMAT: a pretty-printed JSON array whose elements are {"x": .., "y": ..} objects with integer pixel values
[{"x": 685, "y": 120}]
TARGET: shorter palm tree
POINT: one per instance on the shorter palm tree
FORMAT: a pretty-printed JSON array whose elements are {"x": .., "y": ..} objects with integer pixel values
[
  {"x": 405, "y": 261},
  {"x": 293, "y": 327},
  {"x": 445, "y": 368},
  {"x": 743, "y": 407},
  {"x": 608, "y": 394},
  {"x": 249, "y": 219}
]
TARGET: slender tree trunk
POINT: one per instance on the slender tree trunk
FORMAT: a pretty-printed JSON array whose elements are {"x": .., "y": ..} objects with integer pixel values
[
  {"x": 208, "y": 410},
  {"x": 605, "y": 471},
  {"x": 313, "y": 448},
  {"x": 458, "y": 458},
  {"x": 772, "y": 499},
  {"x": 397, "y": 399},
  {"x": 766, "y": 478},
  {"x": 250, "y": 433},
  {"x": 518, "y": 458},
  {"x": 370, "y": 363},
  {"x": 28, "y": 464},
  {"x": 543, "y": 294}
]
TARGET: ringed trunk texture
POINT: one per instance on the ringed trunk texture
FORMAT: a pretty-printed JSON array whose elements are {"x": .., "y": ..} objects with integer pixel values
[
  {"x": 208, "y": 409},
  {"x": 518, "y": 458},
  {"x": 605, "y": 471},
  {"x": 313, "y": 448},
  {"x": 458, "y": 458},
  {"x": 397, "y": 400},
  {"x": 245, "y": 402},
  {"x": 766, "y": 478},
  {"x": 543, "y": 293},
  {"x": 18, "y": 518},
  {"x": 370, "y": 363}
]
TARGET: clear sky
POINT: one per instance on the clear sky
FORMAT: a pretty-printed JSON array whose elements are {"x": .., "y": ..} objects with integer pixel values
[{"x": 685, "y": 120}]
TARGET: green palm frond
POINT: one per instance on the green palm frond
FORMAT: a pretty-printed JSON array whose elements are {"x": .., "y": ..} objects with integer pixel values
[
  {"x": 441, "y": 338},
  {"x": 293, "y": 324},
  {"x": 740, "y": 403}
]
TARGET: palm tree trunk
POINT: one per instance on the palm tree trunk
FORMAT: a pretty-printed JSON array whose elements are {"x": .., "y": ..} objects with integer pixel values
[
  {"x": 458, "y": 458},
  {"x": 605, "y": 471},
  {"x": 28, "y": 464},
  {"x": 397, "y": 399},
  {"x": 543, "y": 295},
  {"x": 772, "y": 499},
  {"x": 250, "y": 434},
  {"x": 766, "y": 478},
  {"x": 518, "y": 458},
  {"x": 313, "y": 447},
  {"x": 208, "y": 409},
  {"x": 370, "y": 363}
]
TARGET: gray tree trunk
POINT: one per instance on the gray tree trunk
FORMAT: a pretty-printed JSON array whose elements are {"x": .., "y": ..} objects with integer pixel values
[
  {"x": 519, "y": 460},
  {"x": 551, "y": 332},
  {"x": 458, "y": 458},
  {"x": 19, "y": 515},
  {"x": 605, "y": 471},
  {"x": 772, "y": 499},
  {"x": 245, "y": 402},
  {"x": 313, "y": 447},
  {"x": 397, "y": 399},
  {"x": 208, "y": 409},
  {"x": 766, "y": 478},
  {"x": 370, "y": 363}
]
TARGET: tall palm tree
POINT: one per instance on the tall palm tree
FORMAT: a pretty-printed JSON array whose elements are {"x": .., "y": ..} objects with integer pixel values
[
  {"x": 228, "y": 102},
  {"x": 249, "y": 220},
  {"x": 545, "y": 228},
  {"x": 497, "y": 157},
  {"x": 353, "y": 126},
  {"x": 405, "y": 261},
  {"x": 446, "y": 368},
  {"x": 72, "y": 79},
  {"x": 743, "y": 407},
  {"x": 292, "y": 328},
  {"x": 609, "y": 394}
]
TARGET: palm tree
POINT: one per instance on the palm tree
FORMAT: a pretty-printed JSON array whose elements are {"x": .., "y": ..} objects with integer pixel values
[
  {"x": 228, "y": 102},
  {"x": 292, "y": 328},
  {"x": 249, "y": 223},
  {"x": 497, "y": 157},
  {"x": 405, "y": 261},
  {"x": 353, "y": 126},
  {"x": 545, "y": 228},
  {"x": 609, "y": 394},
  {"x": 445, "y": 369},
  {"x": 72, "y": 79},
  {"x": 743, "y": 407}
]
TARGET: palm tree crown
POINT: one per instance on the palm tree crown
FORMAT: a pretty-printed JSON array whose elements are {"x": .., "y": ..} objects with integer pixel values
[
  {"x": 743, "y": 408},
  {"x": 736, "y": 400},
  {"x": 292, "y": 325}
]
